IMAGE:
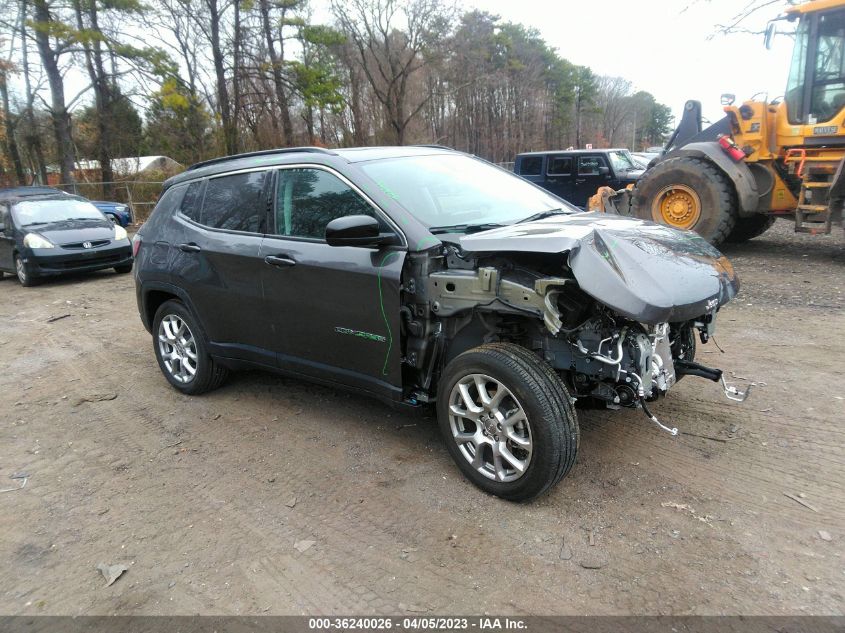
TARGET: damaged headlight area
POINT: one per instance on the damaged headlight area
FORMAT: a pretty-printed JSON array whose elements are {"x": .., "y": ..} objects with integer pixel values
[{"x": 607, "y": 359}]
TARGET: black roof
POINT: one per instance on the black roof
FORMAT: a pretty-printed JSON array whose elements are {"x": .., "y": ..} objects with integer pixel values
[
  {"x": 317, "y": 155},
  {"x": 26, "y": 192},
  {"x": 266, "y": 152},
  {"x": 574, "y": 151}
]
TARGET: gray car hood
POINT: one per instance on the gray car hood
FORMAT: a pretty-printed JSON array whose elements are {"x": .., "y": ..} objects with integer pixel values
[{"x": 645, "y": 271}]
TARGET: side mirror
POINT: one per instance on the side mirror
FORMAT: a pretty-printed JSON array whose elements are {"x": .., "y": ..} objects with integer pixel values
[
  {"x": 356, "y": 230},
  {"x": 604, "y": 171},
  {"x": 769, "y": 35},
  {"x": 727, "y": 99}
]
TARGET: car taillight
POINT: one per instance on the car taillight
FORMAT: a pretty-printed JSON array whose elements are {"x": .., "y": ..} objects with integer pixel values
[
  {"x": 730, "y": 148},
  {"x": 136, "y": 244}
]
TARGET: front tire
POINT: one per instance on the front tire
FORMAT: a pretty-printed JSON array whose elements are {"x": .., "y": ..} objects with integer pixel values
[
  {"x": 24, "y": 274},
  {"x": 122, "y": 270},
  {"x": 181, "y": 349},
  {"x": 507, "y": 420},
  {"x": 687, "y": 193}
]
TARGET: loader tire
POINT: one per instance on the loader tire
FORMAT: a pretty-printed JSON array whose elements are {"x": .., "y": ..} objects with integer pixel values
[
  {"x": 750, "y": 227},
  {"x": 687, "y": 193}
]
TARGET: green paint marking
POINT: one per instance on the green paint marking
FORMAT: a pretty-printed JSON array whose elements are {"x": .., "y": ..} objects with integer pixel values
[
  {"x": 434, "y": 241},
  {"x": 378, "y": 338},
  {"x": 384, "y": 315},
  {"x": 387, "y": 190}
]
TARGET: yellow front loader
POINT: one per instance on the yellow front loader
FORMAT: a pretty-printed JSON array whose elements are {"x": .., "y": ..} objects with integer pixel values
[{"x": 729, "y": 181}]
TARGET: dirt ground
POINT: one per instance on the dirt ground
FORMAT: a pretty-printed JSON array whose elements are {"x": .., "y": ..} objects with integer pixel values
[{"x": 205, "y": 499}]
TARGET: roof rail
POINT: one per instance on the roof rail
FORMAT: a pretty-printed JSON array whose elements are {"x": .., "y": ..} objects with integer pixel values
[
  {"x": 435, "y": 146},
  {"x": 265, "y": 152}
]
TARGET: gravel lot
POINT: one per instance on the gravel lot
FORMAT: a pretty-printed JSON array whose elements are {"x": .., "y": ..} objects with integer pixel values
[{"x": 206, "y": 499}]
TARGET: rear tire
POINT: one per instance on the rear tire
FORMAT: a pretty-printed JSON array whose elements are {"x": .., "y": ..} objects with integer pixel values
[
  {"x": 181, "y": 349},
  {"x": 687, "y": 193},
  {"x": 517, "y": 461},
  {"x": 750, "y": 227}
]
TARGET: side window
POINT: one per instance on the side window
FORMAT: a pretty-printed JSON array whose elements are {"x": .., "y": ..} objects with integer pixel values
[
  {"x": 589, "y": 165},
  {"x": 308, "y": 199},
  {"x": 236, "y": 202},
  {"x": 169, "y": 201},
  {"x": 560, "y": 166},
  {"x": 530, "y": 165},
  {"x": 4, "y": 217},
  {"x": 192, "y": 201}
]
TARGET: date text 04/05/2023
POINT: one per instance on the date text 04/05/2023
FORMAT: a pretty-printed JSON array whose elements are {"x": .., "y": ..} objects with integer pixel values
[{"x": 419, "y": 624}]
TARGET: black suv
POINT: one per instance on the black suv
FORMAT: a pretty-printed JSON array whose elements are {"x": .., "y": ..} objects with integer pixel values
[
  {"x": 422, "y": 275},
  {"x": 575, "y": 175},
  {"x": 46, "y": 232}
]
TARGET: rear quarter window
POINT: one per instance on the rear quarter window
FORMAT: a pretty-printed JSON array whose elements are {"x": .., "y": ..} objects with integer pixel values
[
  {"x": 169, "y": 201},
  {"x": 530, "y": 165},
  {"x": 191, "y": 203}
]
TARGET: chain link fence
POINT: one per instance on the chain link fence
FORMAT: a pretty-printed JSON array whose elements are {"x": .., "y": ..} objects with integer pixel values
[{"x": 139, "y": 195}]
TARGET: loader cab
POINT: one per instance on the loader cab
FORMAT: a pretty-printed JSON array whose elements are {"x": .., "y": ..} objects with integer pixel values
[{"x": 815, "y": 92}]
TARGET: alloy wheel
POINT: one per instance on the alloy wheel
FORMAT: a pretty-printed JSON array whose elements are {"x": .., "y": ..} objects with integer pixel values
[
  {"x": 178, "y": 348},
  {"x": 490, "y": 427}
]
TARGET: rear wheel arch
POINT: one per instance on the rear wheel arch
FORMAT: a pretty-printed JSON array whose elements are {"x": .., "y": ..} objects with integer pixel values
[
  {"x": 153, "y": 299},
  {"x": 155, "y": 295}
]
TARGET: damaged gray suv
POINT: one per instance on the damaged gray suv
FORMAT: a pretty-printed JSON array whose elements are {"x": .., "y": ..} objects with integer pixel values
[{"x": 423, "y": 275}]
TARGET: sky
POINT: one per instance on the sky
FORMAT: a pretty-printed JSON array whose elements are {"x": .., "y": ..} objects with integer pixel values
[{"x": 667, "y": 47}]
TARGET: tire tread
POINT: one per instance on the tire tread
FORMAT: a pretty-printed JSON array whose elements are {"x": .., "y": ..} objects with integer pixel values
[
  {"x": 214, "y": 375},
  {"x": 554, "y": 400},
  {"x": 641, "y": 205}
]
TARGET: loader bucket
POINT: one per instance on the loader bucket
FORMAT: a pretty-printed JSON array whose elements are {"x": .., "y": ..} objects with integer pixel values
[{"x": 606, "y": 200}]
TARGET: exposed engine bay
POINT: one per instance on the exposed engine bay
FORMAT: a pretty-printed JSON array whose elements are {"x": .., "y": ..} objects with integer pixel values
[{"x": 616, "y": 312}]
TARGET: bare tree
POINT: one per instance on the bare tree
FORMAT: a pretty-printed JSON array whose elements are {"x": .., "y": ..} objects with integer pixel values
[
  {"x": 393, "y": 41},
  {"x": 92, "y": 44},
  {"x": 615, "y": 106},
  {"x": 10, "y": 143},
  {"x": 33, "y": 138},
  {"x": 277, "y": 61},
  {"x": 44, "y": 25}
]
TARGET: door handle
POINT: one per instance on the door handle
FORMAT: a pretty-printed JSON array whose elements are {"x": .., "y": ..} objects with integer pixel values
[
  {"x": 190, "y": 247},
  {"x": 280, "y": 261},
  {"x": 580, "y": 181}
]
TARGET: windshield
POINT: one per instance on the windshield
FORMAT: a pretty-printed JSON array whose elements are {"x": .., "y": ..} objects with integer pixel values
[
  {"x": 449, "y": 189},
  {"x": 827, "y": 70},
  {"x": 621, "y": 161},
  {"x": 47, "y": 211}
]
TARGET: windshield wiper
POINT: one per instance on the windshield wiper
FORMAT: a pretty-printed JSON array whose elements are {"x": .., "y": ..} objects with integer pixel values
[
  {"x": 464, "y": 228},
  {"x": 542, "y": 215},
  {"x": 34, "y": 223}
]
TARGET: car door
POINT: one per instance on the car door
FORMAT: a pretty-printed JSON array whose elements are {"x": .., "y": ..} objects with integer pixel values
[
  {"x": 335, "y": 309},
  {"x": 218, "y": 262},
  {"x": 7, "y": 239},
  {"x": 559, "y": 176},
  {"x": 593, "y": 172}
]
